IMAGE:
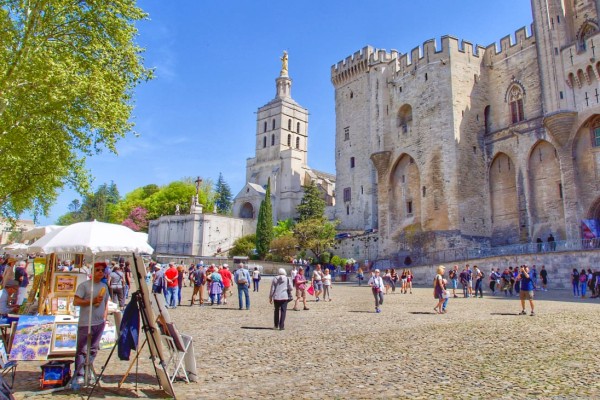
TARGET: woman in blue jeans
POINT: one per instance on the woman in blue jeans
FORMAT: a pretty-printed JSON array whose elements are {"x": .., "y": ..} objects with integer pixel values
[
  {"x": 583, "y": 282},
  {"x": 255, "y": 279}
]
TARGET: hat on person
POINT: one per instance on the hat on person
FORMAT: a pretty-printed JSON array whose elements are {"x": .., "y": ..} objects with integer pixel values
[
  {"x": 225, "y": 265},
  {"x": 157, "y": 266},
  {"x": 199, "y": 265},
  {"x": 12, "y": 283}
]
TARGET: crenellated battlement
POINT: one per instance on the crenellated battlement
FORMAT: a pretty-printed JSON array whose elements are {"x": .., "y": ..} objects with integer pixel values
[
  {"x": 449, "y": 47},
  {"x": 509, "y": 45},
  {"x": 351, "y": 66}
]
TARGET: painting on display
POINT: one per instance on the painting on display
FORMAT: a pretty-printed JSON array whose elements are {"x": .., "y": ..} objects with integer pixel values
[
  {"x": 65, "y": 283},
  {"x": 33, "y": 337},
  {"x": 109, "y": 337},
  {"x": 64, "y": 339}
]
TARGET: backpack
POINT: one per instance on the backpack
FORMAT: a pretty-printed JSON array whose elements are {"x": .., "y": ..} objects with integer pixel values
[
  {"x": 582, "y": 278},
  {"x": 241, "y": 280},
  {"x": 482, "y": 274}
]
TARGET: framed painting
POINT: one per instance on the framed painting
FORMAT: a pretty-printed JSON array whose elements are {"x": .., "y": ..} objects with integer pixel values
[
  {"x": 64, "y": 338},
  {"x": 109, "y": 337},
  {"x": 62, "y": 305},
  {"x": 32, "y": 339},
  {"x": 65, "y": 284}
]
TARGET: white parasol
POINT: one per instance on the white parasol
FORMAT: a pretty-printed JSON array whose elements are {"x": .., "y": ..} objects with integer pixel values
[
  {"x": 92, "y": 238},
  {"x": 15, "y": 249},
  {"x": 39, "y": 231}
]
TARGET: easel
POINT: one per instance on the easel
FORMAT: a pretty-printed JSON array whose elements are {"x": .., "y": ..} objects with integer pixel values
[{"x": 148, "y": 332}]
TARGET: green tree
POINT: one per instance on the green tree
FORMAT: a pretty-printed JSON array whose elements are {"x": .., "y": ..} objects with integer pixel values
[
  {"x": 223, "y": 196},
  {"x": 284, "y": 227},
  {"x": 243, "y": 246},
  {"x": 336, "y": 260},
  {"x": 284, "y": 247},
  {"x": 165, "y": 201},
  {"x": 264, "y": 225},
  {"x": 316, "y": 235},
  {"x": 97, "y": 205},
  {"x": 67, "y": 73},
  {"x": 312, "y": 205}
]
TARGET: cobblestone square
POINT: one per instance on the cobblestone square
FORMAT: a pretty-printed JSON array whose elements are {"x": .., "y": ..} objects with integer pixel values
[{"x": 343, "y": 350}]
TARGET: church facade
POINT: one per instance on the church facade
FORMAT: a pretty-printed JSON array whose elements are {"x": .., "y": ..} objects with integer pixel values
[
  {"x": 464, "y": 145},
  {"x": 281, "y": 155}
]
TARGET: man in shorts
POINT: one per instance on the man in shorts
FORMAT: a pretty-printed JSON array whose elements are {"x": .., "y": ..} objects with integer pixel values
[
  {"x": 526, "y": 292},
  {"x": 453, "y": 274}
]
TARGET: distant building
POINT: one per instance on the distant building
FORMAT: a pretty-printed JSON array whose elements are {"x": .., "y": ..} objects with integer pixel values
[
  {"x": 281, "y": 154},
  {"x": 6, "y": 229}
]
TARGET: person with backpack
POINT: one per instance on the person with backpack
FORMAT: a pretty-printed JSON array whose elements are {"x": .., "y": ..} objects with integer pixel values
[
  {"x": 280, "y": 294},
  {"x": 116, "y": 283},
  {"x": 198, "y": 280},
  {"x": 575, "y": 282},
  {"x": 493, "y": 277}
]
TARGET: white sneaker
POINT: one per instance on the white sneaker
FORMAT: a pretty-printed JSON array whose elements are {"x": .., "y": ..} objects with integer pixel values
[{"x": 79, "y": 380}]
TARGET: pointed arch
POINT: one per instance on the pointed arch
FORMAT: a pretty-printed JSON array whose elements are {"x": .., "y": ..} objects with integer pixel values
[
  {"x": 515, "y": 95},
  {"x": 405, "y": 118},
  {"x": 405, "y": 195},
  {"x": 546, "y": 205},
  {"x": 504, "y": 201},
  {"x": 587, "y": 29}
]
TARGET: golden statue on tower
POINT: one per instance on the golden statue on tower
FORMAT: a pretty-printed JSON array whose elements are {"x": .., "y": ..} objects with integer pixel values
[{"x": 284, "y": 64}]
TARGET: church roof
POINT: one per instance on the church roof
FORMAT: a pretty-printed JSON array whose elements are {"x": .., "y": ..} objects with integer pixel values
[{"x": 257, "y": 187}]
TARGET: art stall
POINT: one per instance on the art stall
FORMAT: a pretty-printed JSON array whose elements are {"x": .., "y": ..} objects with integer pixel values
[{"x": 52, "y": 332}]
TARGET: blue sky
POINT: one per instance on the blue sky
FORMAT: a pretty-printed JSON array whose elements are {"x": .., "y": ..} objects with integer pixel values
[{"x": 216, "y": 64}]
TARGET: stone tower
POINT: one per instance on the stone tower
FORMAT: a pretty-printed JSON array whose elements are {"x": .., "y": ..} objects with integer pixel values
[{"x": 280, "y": 154}]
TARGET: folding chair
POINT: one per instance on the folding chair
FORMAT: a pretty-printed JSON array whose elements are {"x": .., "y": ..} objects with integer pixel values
[
  {"x": 7, "y": 366},
  {"x": 175, "y": 363}
]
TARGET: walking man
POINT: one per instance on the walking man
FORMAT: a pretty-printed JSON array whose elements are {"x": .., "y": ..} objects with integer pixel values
[
  {"x": 171, "y": 275},
  {"x": 242, "y": 280},
  {"x": 453, "y": 275},
  {"x": 198, "y": 278},
  {"x": 376, "y": 283}
]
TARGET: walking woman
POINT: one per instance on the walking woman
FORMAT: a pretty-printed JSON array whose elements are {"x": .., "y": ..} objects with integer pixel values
[
  {"x": 438, "y": 289},
  {"x": 387, "y": 281},
  {"x": 394, "y": 278},
  {"x": 280, "y": 294},
  {"x": 360, "y": 276},
  {"x": 255, "y": 279},
  {"x": 583, "y": 283},
  {"x": 403, "y": 280},
  {"x": 326, "y": 285},
  {"x": 409, "y": 280},
  {"x": 376, "y": 284},
  {"x": 300, "y": 284}
]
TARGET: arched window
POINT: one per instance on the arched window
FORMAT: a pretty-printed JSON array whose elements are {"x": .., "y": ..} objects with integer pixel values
[
  {"x": 405, "y": 118},
  {"x": 273, "y": 124},
  {"x": 515, "y": 101},
  {"x": 264, "y": 142},
  {"x": 596, "y": 134},
  {"x": 273, "y": 139},
  {"x": 587, "y": 30},
  {"x": 289, "y": 124},
  {"x": 297, "y": 142},
  {"x": 486, "y": 119},
  {"x": 265, "y": 127},
  {"x": 289, "y": 141},
  {"x": 298, "y": 127}
]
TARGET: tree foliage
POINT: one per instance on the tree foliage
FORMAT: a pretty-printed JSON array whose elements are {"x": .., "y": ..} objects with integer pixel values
[
  {"x": 283, "y": 247},
  {"x": 284, "y": 227},
  {"x": 264, "y": 225},
  {"x": 243, "y": 246},
  {"x": 95, "y": 206},
  {"x": 312, "y": 205},
  {"x": 223, "y": 196},
  {"x": 316, "y": 235},
  {"x": 67, "y": 73}
]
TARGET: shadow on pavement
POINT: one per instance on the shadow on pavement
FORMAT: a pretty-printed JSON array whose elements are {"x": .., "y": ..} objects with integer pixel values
[
  {"x": 423, "y": 312},
  {"x": 257, "y": 327},
  {"x": 505, "y": 313},
  {"x": 362, "y": 311}
]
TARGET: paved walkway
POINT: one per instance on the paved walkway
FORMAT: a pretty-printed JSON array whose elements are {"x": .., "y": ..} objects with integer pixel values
[{"x": 342, "y": 350}]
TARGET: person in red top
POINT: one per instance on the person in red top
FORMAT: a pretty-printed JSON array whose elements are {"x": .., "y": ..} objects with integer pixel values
[
  {"x": 227, "y": 278},
  {"x": 171, "y": 275}
]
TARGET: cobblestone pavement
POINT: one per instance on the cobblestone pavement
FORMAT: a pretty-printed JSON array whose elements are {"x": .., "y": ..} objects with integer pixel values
[{"x": 343, "y": 350}]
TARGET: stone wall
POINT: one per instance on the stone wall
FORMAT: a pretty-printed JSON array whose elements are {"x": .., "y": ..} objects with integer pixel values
[{"x": 559, "y": 266}]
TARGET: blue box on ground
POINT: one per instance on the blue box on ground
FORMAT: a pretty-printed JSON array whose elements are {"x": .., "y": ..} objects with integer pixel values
[{"x": 55, "y": 373}]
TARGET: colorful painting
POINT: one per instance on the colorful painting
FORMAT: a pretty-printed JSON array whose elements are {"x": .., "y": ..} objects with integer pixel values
[
  {"x": 109, "y": 337},
  {"x": 65, "y": 283},
  {"x": 32, "y": 338},
  {"x": 64, "y": 339},
  {"x": 62, "y": 304}
]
